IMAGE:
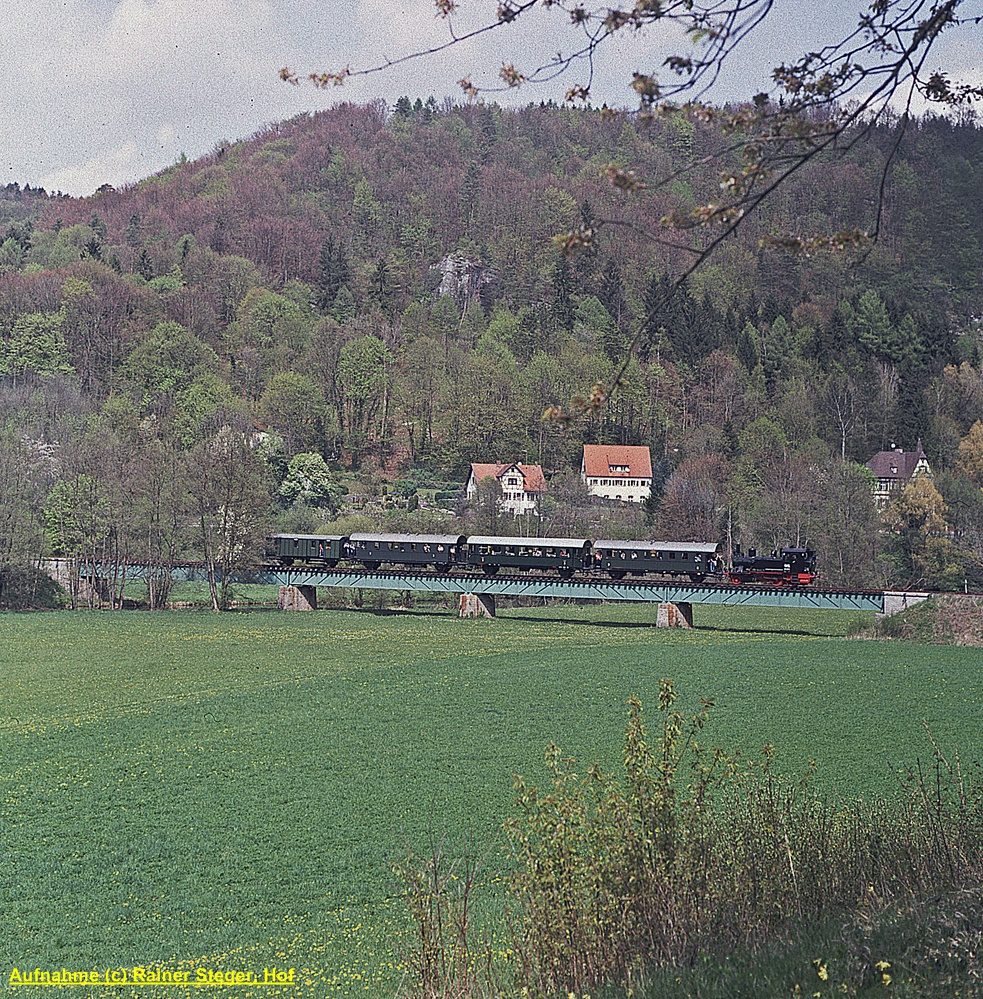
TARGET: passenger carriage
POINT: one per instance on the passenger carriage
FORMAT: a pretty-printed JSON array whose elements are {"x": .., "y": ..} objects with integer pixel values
[
  {"x": 308, "y": 549},
  {"x": 563, "y": 555},
  {"x": 696, "y": 559},
  {"x": 442, "y": 551}
]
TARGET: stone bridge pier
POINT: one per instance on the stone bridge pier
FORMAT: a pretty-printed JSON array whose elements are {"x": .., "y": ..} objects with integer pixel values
[{"x": 297, "y": 598}]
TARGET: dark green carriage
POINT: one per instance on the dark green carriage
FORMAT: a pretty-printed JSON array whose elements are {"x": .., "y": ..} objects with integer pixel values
[
  {"x": 696, "y": 559},
  {"x": 441, "y": 551},
  {"x": 309, "y": 549},
  {"x": 563, "y": 555}
]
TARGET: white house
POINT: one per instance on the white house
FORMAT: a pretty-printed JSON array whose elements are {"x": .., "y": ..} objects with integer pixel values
[
  {"x": 617, "y": 472},
  {"x": 522, "y": 485}
]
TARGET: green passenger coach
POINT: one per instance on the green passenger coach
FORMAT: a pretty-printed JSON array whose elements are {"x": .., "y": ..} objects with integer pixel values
[{"x": 309, "y": 549}]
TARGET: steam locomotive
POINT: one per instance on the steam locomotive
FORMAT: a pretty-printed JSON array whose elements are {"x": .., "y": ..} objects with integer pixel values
[
  {"x": 784, "y": 567},
  {"x": 697, "y": 561}
]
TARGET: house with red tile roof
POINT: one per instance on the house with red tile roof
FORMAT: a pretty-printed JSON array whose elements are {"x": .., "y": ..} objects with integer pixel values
[
  {"x": 894, "y": 469},
  {"x": 617, "y": 472},
  {"x": 522, "y": 485}
]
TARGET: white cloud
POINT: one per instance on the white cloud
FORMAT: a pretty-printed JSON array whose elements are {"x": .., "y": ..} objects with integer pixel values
[{"x": 125, "y": 161}]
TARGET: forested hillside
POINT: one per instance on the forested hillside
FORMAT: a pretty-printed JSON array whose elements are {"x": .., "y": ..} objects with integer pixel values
[{"x": 369, "y": 299}]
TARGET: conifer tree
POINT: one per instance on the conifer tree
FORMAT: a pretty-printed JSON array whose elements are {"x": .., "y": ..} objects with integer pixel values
[{"x": 333, "y": 272}]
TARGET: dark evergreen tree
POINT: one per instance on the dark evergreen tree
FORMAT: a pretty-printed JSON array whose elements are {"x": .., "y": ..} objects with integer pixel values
[
  {"x": 563, "y": 304},
  {"x": 611, "y": 292},
  {"x": 833, "y": 340},
  {"x": 747, "y": 347},
  {"x": 470, "y": 189},
  {"x": 134, "y": 236},
  {"x": 661, "y": 471},
  {"x": 145, "y": 267},
  {"x": 585, "y": 262},
  {"x": 692, "y": 329},
  {"x": 660, "y": 314},
  {"x": 380, "y": 284},
  {"x": 332, "y": 273}
]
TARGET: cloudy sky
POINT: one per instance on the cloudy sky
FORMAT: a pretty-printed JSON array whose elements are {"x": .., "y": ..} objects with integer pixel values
[{"x": 111, "y": 91}]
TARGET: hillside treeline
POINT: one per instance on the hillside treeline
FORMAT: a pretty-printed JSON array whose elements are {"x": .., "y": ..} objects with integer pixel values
[{"x": 366, "y": 300}]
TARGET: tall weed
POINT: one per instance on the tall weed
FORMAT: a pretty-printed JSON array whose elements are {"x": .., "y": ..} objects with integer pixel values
[{"x": 693, "y": 852}]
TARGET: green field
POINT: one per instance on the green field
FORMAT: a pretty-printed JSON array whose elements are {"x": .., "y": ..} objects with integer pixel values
[{"x": 226, "y": 791}]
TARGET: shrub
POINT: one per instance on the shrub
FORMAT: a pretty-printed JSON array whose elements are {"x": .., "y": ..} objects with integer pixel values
[
  {"x": 694, "y": 852},
  {"x": 23, "y": 589}
]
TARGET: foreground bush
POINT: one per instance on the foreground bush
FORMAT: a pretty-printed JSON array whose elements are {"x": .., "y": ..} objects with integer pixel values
[
  {"x": 29, "y": 588},
  {"x": 693, "y": 853}
]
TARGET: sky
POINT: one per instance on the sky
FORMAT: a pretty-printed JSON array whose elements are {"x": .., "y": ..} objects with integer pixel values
[{"x": 112, "y": 91}]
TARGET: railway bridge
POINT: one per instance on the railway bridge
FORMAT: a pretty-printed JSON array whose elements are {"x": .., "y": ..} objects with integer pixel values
[{"x": 298, "y": 589}]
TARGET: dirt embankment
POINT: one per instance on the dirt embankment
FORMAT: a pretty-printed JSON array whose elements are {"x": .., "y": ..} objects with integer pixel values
[{"x": 948, "y": 620}]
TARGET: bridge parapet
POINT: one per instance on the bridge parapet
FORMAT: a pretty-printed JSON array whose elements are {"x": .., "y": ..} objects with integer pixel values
[{"x": 897, "y": 601}]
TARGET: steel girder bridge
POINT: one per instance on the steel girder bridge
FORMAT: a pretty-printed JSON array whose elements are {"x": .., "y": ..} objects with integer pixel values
[
  {"x": 581, "y": 589},
  {"x": 529, "y": 585}
]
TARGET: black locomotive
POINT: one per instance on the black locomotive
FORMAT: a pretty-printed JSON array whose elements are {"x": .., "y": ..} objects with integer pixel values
[{"x": 783, "y": 567}]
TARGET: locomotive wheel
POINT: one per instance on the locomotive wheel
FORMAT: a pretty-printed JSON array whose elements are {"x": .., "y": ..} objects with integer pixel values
[
  {"x": 490, "y": 570},
  {"x": 616, "y": 573},
  {"x": 565, "y": 573},
  {"x": 696, "y": 577},
  {"x": 372, "y": 566}
]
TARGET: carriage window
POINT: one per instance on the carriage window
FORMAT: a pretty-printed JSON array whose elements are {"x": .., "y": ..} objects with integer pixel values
[
  {"x": 685, "y": 556},
  {"x": 375, "y": 545},
  {"x": 672, "y": 555}
]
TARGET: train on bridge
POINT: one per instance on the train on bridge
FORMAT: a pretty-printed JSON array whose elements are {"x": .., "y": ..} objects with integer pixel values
[{"x": 697, "y": 561}]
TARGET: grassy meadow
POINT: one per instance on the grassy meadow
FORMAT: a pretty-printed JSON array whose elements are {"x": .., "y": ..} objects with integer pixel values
[{"x": 227, "y": 791}]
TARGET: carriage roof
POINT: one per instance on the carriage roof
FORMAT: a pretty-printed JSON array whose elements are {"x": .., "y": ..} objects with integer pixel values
[
  {"x": 310, "y": 537},
  {"x": 702, "y": 547},
  {"x": 685, "y": 546},
  {"x": 532, "y": 542},
  {"x": 426, "y": 539}
]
